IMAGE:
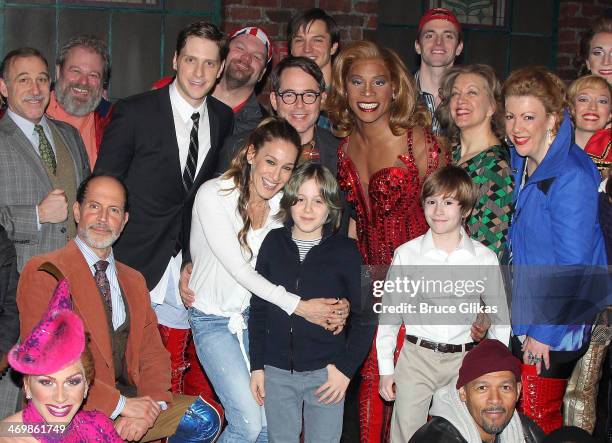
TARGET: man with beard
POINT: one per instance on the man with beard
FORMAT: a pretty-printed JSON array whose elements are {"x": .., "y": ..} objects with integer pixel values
[
  {"x": 439, "y": 41},
  {"x": 82, "y": 70},
  {"x": 250, "y": 51},
  {"x": 132, "y": 368},
  {"x": 479, "y": 406}
]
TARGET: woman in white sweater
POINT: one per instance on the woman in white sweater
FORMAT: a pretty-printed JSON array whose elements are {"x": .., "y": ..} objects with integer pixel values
[{"x": 232, "y": 215}]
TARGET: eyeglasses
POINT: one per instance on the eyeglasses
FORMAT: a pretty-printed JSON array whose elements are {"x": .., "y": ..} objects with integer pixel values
[{"x": 290, "y": 97}]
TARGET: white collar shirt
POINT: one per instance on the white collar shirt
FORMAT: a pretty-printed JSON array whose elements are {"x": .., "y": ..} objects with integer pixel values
[
  {"x": 27, "y": 127},
  {"x": 422, "y": 252}
]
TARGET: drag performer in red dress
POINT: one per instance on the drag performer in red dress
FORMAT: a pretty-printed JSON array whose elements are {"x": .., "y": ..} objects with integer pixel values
[{"x": 382, "y": 162}]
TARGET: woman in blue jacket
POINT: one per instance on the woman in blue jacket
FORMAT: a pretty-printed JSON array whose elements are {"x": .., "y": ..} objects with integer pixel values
[{"x": 555, "y": 238}]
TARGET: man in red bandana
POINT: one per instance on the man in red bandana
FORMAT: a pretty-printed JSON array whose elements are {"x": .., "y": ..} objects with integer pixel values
[{"x": 439, "y": 41}]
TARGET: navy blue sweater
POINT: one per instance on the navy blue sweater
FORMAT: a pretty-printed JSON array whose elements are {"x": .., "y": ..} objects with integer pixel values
[{"x": 331, "y": 269}]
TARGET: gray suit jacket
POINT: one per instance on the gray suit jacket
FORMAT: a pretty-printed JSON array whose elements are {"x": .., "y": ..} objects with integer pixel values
[{"x": 24, "y": 183}]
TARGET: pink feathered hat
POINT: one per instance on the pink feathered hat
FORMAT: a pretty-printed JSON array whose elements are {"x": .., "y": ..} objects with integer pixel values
[{"x": 55, "y": 342}]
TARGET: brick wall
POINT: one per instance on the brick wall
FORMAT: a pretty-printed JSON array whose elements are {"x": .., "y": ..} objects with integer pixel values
[
  {"x": 357, "y": 19},
  {"x": 575, "y": 17}
]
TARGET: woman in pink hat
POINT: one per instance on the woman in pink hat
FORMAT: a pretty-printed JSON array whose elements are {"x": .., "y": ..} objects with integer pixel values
[{"x": 58, "y": 370}]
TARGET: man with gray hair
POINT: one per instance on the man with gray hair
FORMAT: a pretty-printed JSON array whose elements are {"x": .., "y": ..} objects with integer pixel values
[{"x": 82, "y": 72}]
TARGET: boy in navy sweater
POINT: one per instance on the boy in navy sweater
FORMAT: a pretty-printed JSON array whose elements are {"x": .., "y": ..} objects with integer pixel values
[{"x": 295, "y": 364}]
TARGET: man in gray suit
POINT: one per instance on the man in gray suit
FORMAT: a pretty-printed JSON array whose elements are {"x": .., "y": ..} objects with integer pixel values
[{"x": 42, "y": 162}]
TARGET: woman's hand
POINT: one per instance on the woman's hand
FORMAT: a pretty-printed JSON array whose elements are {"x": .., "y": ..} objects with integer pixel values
[
  {"x": 257, "y": 386},
  {"x": 386, "y": 387},
  {"x": 187, "y": 295},
  {"x": 328, "y": 313},
  {"x": 534, "y": 353},
  {"x": 333, "y": 390}
]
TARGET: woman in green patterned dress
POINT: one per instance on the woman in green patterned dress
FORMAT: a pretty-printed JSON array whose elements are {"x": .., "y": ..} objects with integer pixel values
[{"x": 473, "y": 119}]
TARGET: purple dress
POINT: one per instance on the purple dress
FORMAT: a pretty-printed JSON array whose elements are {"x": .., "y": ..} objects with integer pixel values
[{"x": 86, "y": 426}]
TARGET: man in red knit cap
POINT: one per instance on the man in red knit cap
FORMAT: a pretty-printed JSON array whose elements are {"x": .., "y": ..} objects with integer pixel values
[{"x": 480, "y": 404}]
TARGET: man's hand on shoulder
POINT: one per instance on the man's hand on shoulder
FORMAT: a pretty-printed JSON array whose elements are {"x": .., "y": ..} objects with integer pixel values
[
  {"x": 131, "y": 429},
  {"x": 187, "y": 295},
  {"x": 143, "y": 408}
]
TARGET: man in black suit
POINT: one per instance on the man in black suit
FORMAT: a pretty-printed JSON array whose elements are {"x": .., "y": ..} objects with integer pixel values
[{"x": 164, "y": 144}]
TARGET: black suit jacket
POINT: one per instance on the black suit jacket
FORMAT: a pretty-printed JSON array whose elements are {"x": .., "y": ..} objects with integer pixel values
[
  {"x": 139, "y": 145},
  {"x": 9, "y": 317}
]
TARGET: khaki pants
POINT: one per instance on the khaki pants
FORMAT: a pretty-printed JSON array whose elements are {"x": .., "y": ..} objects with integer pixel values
[
  {"x": 168, "y": 420},
  {"x": 418, "y": 374}
]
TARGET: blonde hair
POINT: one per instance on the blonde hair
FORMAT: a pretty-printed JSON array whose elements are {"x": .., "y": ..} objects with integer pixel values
[
  {"x": 538, "y": 82},
  {"x": 588, "y": 81},
  {"x": 492, "y": 88}
]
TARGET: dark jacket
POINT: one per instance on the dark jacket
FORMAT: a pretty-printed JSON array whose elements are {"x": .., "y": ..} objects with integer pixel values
[
  {"x": 102, "y": 117},
  {"x": 9, "y": 317},
  {"x": 140, "y": 146},
  {"x": 330, "y": 270},
  {"x": 440, "y": 430},
  {"x": 249, "y": 116}
]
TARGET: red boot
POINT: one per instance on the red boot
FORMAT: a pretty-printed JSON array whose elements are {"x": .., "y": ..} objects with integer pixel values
[
  {"x": 542, "y": 398},
  {"x": 375, "y": 413},
  {"x": 175, "y": 341}
]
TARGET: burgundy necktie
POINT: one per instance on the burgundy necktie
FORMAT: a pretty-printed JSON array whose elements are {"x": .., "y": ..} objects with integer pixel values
[{"x": 102, "y": 282}]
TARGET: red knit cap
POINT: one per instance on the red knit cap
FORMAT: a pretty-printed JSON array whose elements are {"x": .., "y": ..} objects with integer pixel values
[
  {"x": 439, "y": 14},
  {"x": 488, "y": 356}
]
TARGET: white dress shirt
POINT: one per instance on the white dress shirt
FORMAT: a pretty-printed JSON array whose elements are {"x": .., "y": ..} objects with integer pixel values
[
  {"x": 27, "y": 127},
  {"x": 422, "y": 251},
  {"x": 111, "y": 274},
  {"x": 223, "y": 275},
  {"x": 166, "y": 289}
]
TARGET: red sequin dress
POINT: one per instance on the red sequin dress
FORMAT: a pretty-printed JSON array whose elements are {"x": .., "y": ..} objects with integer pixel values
[{"x": 388, "y": 216}]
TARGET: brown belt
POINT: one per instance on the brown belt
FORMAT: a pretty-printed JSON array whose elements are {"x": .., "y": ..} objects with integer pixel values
[{"x": 441, "y": 347}]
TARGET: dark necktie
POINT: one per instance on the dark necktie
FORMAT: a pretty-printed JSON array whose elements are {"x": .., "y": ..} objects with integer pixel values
[
  {"x": 192, "y": 157},
  {"x": 46, "y": 151},
  {"x": 102, "y": 283}
]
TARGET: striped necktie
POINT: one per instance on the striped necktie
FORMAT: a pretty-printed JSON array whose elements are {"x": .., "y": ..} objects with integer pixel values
[{"x": 192, "y": 157}]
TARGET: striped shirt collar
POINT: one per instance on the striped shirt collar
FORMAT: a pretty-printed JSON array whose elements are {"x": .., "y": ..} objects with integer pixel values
[{"x": 91, "y": 257}]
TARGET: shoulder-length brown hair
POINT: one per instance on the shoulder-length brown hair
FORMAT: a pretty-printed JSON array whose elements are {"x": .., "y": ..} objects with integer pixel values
[
  {"x": 538, "y": 82},
  {"x": 492, "y": 88},
  {"x": 271, "y": 128},
  {"x": 406, "y": 109},
  {"x": 602, "y": 24}
]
